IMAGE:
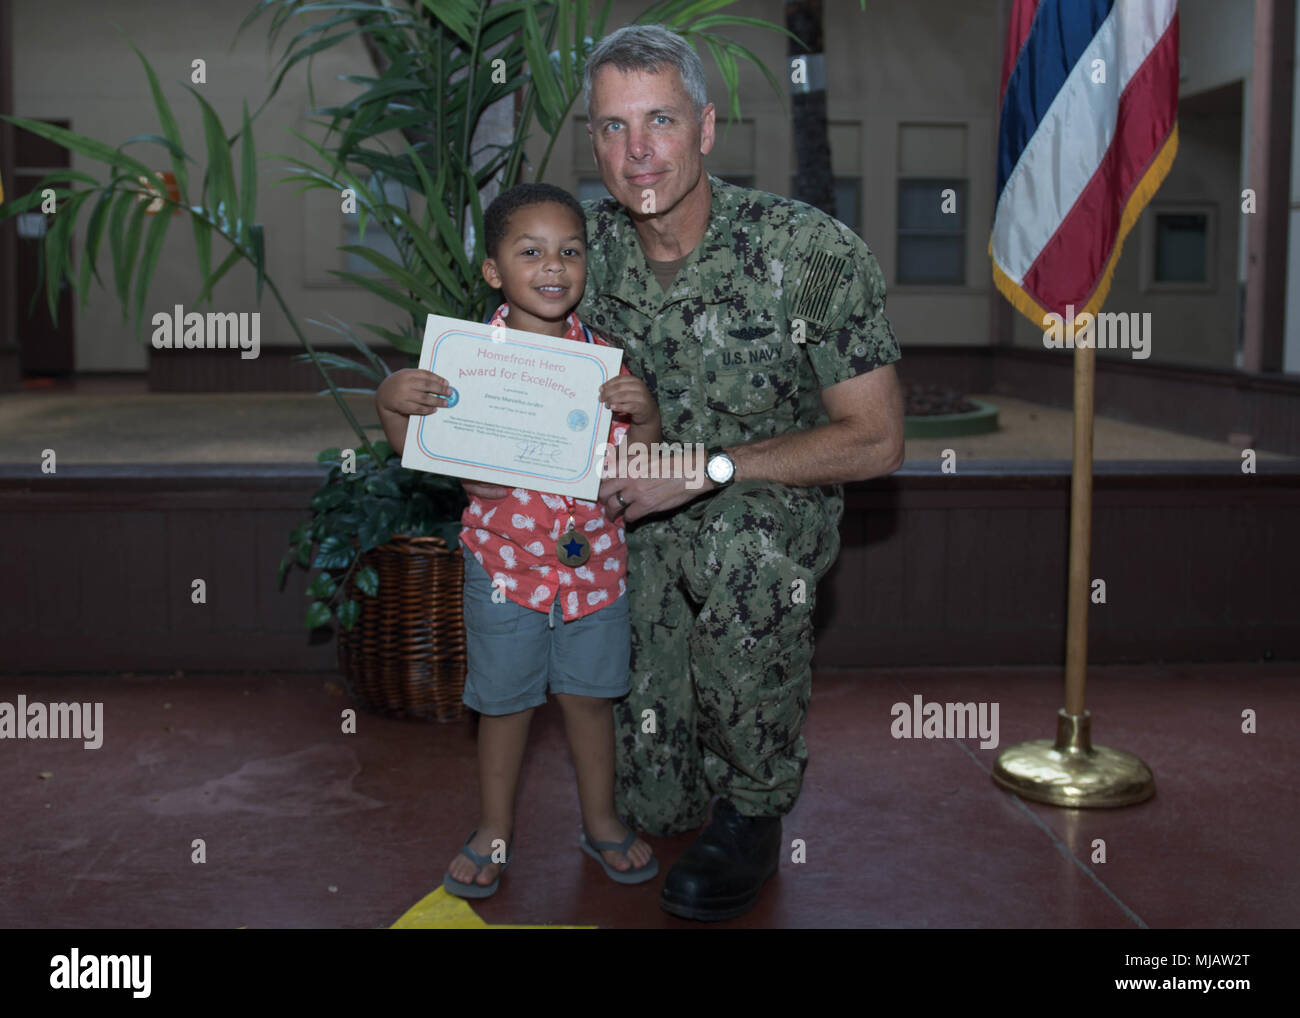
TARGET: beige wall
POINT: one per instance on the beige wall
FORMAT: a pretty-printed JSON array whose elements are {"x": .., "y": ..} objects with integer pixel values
[
  {"x": 76, "y": 65},
  {"x": 900, "y": 63},
  {"x": 1214, "y": 43}
]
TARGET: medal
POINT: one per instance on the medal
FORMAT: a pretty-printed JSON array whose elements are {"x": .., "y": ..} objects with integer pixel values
[{"x": 572, "y": 549}]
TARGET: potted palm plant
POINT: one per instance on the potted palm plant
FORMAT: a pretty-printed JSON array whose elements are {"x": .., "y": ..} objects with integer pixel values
[{"x": 380, "y": 538}]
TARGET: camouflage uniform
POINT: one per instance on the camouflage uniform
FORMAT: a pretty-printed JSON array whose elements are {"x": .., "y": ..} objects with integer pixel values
[{"x": 721, "y": 644}]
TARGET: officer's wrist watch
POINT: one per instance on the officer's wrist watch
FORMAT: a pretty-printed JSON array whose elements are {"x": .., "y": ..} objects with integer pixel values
[{"x": 720, "y": 467}]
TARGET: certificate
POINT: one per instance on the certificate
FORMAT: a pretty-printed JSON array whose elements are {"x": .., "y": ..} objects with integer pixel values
[{"x": 524, "y": 409}]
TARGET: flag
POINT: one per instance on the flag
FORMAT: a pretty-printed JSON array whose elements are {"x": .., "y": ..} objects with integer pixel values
[{"x": 1087, "y": 132}]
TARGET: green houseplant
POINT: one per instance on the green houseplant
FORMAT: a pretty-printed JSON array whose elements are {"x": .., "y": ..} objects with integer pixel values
[{"x": 437, "y": 68}]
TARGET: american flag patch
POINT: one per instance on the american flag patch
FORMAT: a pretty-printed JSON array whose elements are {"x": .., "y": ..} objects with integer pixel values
[{"x": 814, "y": 296}]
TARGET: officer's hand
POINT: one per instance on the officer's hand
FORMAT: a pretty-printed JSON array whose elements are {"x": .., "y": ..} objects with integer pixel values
[{"x": 681, "y": 479}]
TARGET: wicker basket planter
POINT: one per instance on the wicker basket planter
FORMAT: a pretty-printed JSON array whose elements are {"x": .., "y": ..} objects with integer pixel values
[{"x": 405, "y": 657}]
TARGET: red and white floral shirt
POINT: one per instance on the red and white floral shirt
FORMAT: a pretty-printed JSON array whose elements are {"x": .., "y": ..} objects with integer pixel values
[{"x": 513, "y": 538}]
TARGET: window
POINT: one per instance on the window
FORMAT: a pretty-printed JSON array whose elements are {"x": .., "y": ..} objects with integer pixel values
[
  {"x": 1178, "y": 246},
  {"x": 1181, "y": 247},
  {"x": 932, "y": 231}
]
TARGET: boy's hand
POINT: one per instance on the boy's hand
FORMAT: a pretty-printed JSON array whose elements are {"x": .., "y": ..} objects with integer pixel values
[
  {"x": 412, "y": 391},
  {"x": 627, "y": 394}
]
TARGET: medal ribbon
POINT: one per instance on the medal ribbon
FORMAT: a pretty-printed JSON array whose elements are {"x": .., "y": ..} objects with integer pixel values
[{"x": 571, "y": 536}]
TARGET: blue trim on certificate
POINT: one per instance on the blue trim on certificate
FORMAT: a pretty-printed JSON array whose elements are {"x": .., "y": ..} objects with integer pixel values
[{"x": 579, "y": 352}]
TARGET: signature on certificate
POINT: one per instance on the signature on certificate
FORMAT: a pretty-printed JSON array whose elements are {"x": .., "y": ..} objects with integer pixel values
[{"x": 534, "y": 451}]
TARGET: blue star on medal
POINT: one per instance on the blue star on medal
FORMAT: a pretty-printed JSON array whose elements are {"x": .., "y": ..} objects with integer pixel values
[{"x": 572, "y": 549}]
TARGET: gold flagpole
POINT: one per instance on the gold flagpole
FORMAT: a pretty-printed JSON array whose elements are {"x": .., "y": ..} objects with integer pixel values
[{"x": 1071, "y": 771}]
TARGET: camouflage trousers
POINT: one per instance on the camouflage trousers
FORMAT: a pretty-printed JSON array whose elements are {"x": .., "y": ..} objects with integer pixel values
[{"x": 721, "y": 596}]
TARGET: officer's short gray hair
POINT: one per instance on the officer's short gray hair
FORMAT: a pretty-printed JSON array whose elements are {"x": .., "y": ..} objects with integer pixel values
[{"x": 648, "y": 48}]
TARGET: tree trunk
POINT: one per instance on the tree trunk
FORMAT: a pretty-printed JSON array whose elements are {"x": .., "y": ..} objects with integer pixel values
[{"x": 813, "y": 182}]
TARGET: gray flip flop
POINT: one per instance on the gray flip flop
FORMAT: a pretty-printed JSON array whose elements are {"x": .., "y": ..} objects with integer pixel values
[
  {"x": 474, "y": 890},
  {"x": 636, "y": 875}
]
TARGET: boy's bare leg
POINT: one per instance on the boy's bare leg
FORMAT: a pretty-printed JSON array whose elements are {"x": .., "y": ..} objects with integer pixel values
[
  {"x": 589, "y": 722},
  {"x": 501, "y": 743}
]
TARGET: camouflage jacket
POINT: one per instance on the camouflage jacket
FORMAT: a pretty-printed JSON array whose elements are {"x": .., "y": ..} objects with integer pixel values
[{"x": 776, "y": 302}]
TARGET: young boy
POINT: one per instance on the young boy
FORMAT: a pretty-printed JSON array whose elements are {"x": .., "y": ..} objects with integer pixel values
[{"x": 535, "y": 236}]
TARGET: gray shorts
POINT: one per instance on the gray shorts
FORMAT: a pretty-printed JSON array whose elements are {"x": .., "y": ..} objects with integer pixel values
[{"x": 515, "y": 653}]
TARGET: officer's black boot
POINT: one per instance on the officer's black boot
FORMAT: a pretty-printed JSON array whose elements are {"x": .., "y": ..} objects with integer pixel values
[{"x": 721, "y": 874}]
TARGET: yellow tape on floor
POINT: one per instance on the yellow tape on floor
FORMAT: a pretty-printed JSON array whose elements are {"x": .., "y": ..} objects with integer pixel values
[{"x": 443, "y": 911}]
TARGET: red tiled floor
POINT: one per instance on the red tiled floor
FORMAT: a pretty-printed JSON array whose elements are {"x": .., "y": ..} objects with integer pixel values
[{"x": 898, "y": 833}]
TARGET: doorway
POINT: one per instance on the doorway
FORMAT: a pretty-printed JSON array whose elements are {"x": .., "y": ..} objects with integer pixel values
[{"x": 47, "y": 349}]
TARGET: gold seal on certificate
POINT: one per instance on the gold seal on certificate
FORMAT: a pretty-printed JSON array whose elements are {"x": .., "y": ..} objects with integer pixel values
[{"x": 524, "y": 410}]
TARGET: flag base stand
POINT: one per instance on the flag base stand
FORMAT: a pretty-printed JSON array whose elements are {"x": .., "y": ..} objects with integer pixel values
[{"x": 1072, "y": 771}]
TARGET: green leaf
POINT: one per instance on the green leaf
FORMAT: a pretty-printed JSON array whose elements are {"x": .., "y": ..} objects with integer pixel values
[
  {"x": 562, "y": 18},
  {"x": 328, "y": 498},
  {"x": 401, "y": 341},
  {"x": 384, "y": 487},
  {"x": 682, "y": 13},
  {"x": 450, "y": 533},
  {"x": 248, "y": 180},
  {"x": 56, "y": 256},
  {"x": 549, "y": 94},
  {"x": 349, "y": 612},
  {"x": 434, "y": 256},
  {"x": 175, "y": 151},
  {"x": 401, "y": 300},
  {"x": 318, "y": 614},
  {"x": 322, "y": 586},
  {"x": 25, "y": 203},
  {"x": 220, "y": 187},
  {"x": 172, "y": 133},
  {"x": 334, "y": 553},
  {"x": 202, "y": 243},
  {"x": 367, "y": 581},
  {"x": 457, "y": 15},
  {"x": 210, "y": 283},
  {"x": 258, "y": 244},
  {"x": 117, "y": 235},
  {"x": 374, "y": 532},
  {"x": 307, "y": 52},
  {"x": 94, "y": 233},
  {"x": 88, "y": 147},
  {"x": 380, "y": 368},
  {"x": 152, "y": 249},
  {"x": 341, "y": 362},
  {"x": 130, "y": 249}
]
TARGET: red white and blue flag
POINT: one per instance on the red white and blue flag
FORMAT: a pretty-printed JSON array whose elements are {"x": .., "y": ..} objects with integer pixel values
[{"x": 1088, "y": 132}]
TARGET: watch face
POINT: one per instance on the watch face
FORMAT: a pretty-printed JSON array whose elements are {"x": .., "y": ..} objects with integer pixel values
[{"x": 720, "y": 469}]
